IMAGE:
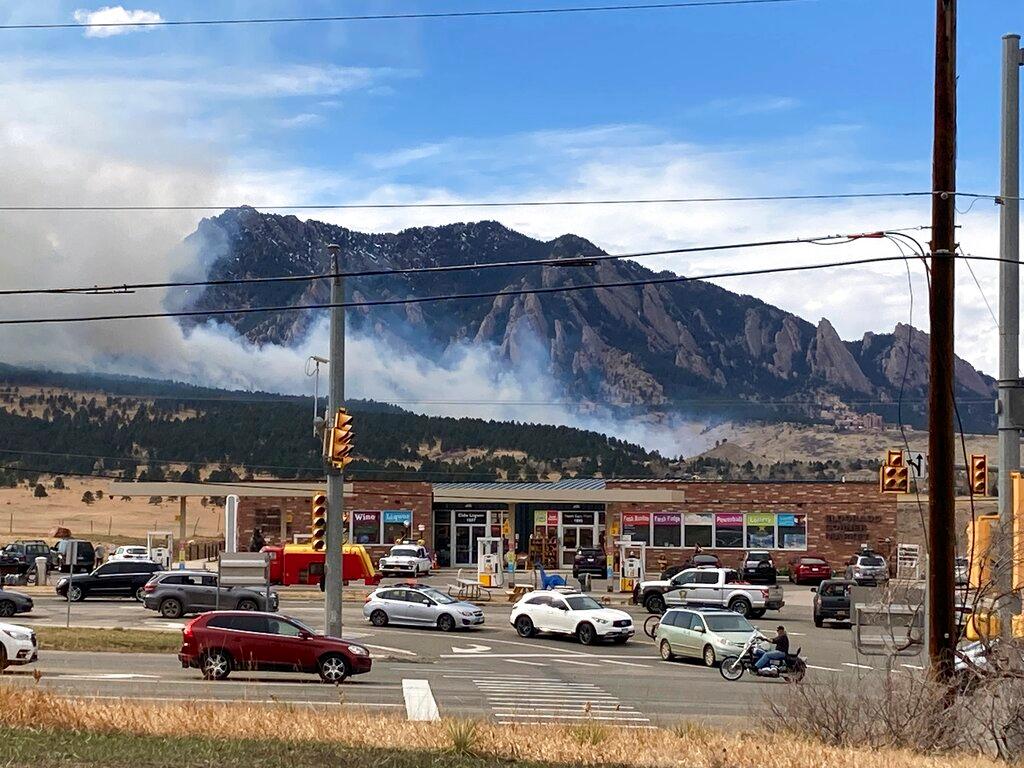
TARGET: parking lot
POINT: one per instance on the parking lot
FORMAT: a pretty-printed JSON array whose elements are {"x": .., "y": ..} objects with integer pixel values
[{"x": 489, "y": 671}]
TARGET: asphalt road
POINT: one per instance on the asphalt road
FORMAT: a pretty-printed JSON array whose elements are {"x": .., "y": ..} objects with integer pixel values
[{"x": 422, "y": 672}]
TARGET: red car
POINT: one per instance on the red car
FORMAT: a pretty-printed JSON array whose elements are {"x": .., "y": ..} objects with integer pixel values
[
  {"x": 808, "y": 569},
  {"x": 221, "y": 641}
]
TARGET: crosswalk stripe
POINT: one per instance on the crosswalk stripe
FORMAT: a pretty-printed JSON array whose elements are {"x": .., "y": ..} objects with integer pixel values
[
  {"x": 579, "y": 663},
  {"x": 626, "y": 663},
  {"x": 528, "y": 663},
  {"x": 856, "y": 666}
]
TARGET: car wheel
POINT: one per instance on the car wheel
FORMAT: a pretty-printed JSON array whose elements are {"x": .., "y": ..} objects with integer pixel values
[
  {"x": 665, "y": 649},
  {"x": 524, "y": 627},
  {"x": 6, "y": 608},
  {"x": 586, "y": 634},
  {"x": 247, "y": 605},
  {"x": 741, "y": 606},
  {"x": 333, "y": 669},
  {"x": 445, "y": 623},
  {"x": 379, "y": 618},
  {"x": 655, "y": 604},
  {"x": 818, "y": 621},
  {"x": 140, "y": 595},
  {"x": 215, "y": 665},
  {"x": 709, "y": 656},
  {"x": 171, "y": 608},
  {"x": 76, "y": 594}
]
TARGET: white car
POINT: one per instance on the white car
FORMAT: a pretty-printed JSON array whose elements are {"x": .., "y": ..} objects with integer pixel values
[
  {"x": 405, "y": 560},
  {"x": 570, "y": 614},
  {"x": 17, "y": 645},
  {"x": 129, "y": 553}
]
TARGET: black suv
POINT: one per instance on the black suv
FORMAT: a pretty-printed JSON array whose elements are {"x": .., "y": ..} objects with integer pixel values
[
  {"x": 759, "y": 568},
  {"x": 590, "y": 560},
  {"x": 85, "y": 555},
  {"x": 19, "y": 556},
  {"x": 124, "y": 578}
]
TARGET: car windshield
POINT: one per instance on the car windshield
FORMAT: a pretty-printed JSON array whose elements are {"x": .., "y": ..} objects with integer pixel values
[
  {"x": 812, "y": 561},
  {"x": 582, "y": 603},
  {"x": 728, "y": 623},
  {"x": 871, "y": 560},
  {"x": 404, "y": 552},
  {"x": 438, "y": 596}
]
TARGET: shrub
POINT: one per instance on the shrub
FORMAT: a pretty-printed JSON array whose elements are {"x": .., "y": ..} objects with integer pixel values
[{"x": 40, "y": 491}]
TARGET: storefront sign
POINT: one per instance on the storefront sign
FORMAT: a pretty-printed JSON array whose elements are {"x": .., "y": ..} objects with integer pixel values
[
  {"x": 552, "y": 517},
  {"x": 636, "y": 518},
  {"x": 470, "y": 518},
  {"x": 399, "y": 516},
  {"x": 728, "y": 520},
  {"x": 668, "y": 518},
  {"x": 786, "y": 521},
  {"x": 577, "y": 518},
  {"x": 761, "y": 519},
  {"x": 849, "y": 527},
  {"x": 365, "y": 517},
  {"x": 540, "y": 517}
]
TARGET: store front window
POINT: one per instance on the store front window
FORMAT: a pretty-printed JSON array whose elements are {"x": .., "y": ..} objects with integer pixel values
[
  {"x": 668, "y": 529},
  {"x": 760, "y": 531},
  {"x": 792, "y": 531},
  {"x": 700, "y": 529},
  {"x": 729, "y": 530},
  {"x": 637, "y": 525},
  {"x": 366, "y": 527},
  {"x": 397, "y": 525}
]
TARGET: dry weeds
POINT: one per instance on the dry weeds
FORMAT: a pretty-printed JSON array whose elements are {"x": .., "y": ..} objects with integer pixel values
[{"x": 695, "y": 748}]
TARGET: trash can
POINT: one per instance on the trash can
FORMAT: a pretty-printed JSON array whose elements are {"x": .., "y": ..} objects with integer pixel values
[
  {"x": 584, "y": 579},
  {"x": 42, "y": 563}
]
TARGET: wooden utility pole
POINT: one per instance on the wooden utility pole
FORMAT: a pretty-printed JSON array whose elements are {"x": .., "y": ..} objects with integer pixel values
[{"x": 941, "y": 445}]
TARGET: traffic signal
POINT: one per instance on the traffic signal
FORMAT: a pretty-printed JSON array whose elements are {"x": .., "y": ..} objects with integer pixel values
[
  {"x": 318, "y": 523},
  {"x": 894, "y": 475},
  {"x": 338, "y": 440},
  {"x": 978, "y": 477}
]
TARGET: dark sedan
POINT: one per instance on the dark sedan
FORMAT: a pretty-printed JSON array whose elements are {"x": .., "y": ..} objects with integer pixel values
[{"x": 13, "y": 602}]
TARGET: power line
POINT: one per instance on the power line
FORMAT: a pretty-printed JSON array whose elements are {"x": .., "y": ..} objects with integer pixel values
[
  {"x": 468, "y": 204},
  {"x": 435, "y": 15},
  {"x": 580, "y": 260},
  {"x": 449, "y": 297}
]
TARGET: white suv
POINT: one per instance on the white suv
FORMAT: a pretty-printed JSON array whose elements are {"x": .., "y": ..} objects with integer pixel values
[
  {"x": 570, "y": 614},
  {"x": 17, "y": 645}
]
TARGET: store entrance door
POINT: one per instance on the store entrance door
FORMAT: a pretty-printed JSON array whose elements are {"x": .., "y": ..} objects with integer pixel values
[
  {"x": 573, "y": 537},
  {"x": 465, "y": 543}
]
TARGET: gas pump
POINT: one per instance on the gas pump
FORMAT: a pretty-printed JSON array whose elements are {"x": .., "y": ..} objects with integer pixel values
[
  {"x": 632, "y": 563},
  {"x": 489, "y": 566},
  {"x": 160, "y": 546}
]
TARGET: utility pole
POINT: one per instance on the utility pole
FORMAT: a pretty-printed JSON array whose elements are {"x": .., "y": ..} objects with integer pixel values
[
  {"x": 1009, "y": 323},
  {"x": 333, "y": 583},
  {"x": 941, "y": 446}
]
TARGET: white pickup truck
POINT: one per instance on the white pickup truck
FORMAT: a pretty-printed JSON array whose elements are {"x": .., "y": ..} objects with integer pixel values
[{"x": 710, "y": 587}]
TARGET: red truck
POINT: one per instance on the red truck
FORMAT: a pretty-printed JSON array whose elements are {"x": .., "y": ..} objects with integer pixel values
[{"x": 301, "y": 564}]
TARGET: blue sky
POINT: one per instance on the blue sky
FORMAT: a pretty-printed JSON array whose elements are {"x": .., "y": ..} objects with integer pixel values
[{"x": 809, "y": 97}]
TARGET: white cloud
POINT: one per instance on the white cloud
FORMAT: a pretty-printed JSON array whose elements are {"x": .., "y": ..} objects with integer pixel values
[
  {"x": 301, "y": 120},
  {"x": 115, "y": 15}
]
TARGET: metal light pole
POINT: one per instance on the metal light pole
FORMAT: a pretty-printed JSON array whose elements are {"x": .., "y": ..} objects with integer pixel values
[
  {"x": 333, "y": 583},
  {"x": 1009, "y": 321}
]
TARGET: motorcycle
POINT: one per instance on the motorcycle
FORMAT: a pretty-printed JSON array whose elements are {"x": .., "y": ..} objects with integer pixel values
[{"x": 791, "y": 669}]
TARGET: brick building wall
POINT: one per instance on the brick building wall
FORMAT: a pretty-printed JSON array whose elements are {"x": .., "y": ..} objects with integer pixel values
[
  {"x": 266, "y": 512},
  {"x": 840, "y": 517}
]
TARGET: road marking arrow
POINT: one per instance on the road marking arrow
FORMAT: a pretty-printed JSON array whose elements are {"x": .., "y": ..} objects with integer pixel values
[{"x": 473, "y": 648}]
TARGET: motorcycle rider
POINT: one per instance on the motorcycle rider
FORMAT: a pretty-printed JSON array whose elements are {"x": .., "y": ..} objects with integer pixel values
[{"x": 781, "y": 643}]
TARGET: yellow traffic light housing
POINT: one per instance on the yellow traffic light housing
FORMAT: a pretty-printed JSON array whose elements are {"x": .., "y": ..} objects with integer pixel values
[
  {"x": 318, "y": 522},
  {"x": 338, "y": 440},
  {"x": 894, "y": 475},
  {"x": 978, "y": 477}
]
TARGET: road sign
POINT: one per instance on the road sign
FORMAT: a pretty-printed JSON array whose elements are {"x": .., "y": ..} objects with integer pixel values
[{"x": 918, "y": 463}]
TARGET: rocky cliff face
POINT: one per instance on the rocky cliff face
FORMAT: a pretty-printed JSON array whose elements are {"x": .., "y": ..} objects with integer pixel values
[{"x": 690, "y": 346}]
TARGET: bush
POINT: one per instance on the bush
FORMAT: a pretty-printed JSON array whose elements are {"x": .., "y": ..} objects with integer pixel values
[
  {"x": 58, "y": 483},
  {"x": 156, "y": 499},
  {"x": 40, "y": 491},
  {"x": 87, "y": 497}
]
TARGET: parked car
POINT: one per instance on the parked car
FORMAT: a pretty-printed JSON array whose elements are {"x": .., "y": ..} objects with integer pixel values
[
  {"x": 85, "y": 556},
  {"x": 570, "y": 614},
  {"x": 419, "y": 605},
  {"x": 806, "y": 569},
  {"x": 13, "y": 602},
  {"x": 867, "y": 567},
  {"x": 26, "y": 551},
  {"x": 405, "y": 560},
  {"x": 710, "y": 634},
  {"x": 758, "y": 567},
  {"x": 831, "y": 601},
  {"x": 129, "y": 553},
  {"x": 17, "y": 645},
  {"x": 696, "y": 561},
  {"x": 178, "y": 593},
  {"x": 124, "y": 579},
  {"x": 592, "y": 560},
  {"x": 712, "y": 588},
  {"x": 220, "y": 642}
]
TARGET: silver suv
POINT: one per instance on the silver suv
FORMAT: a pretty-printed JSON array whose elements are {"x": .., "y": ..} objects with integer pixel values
[
  {"x": 176, "y": 593},
  {"x": 867, "y": 568}
]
